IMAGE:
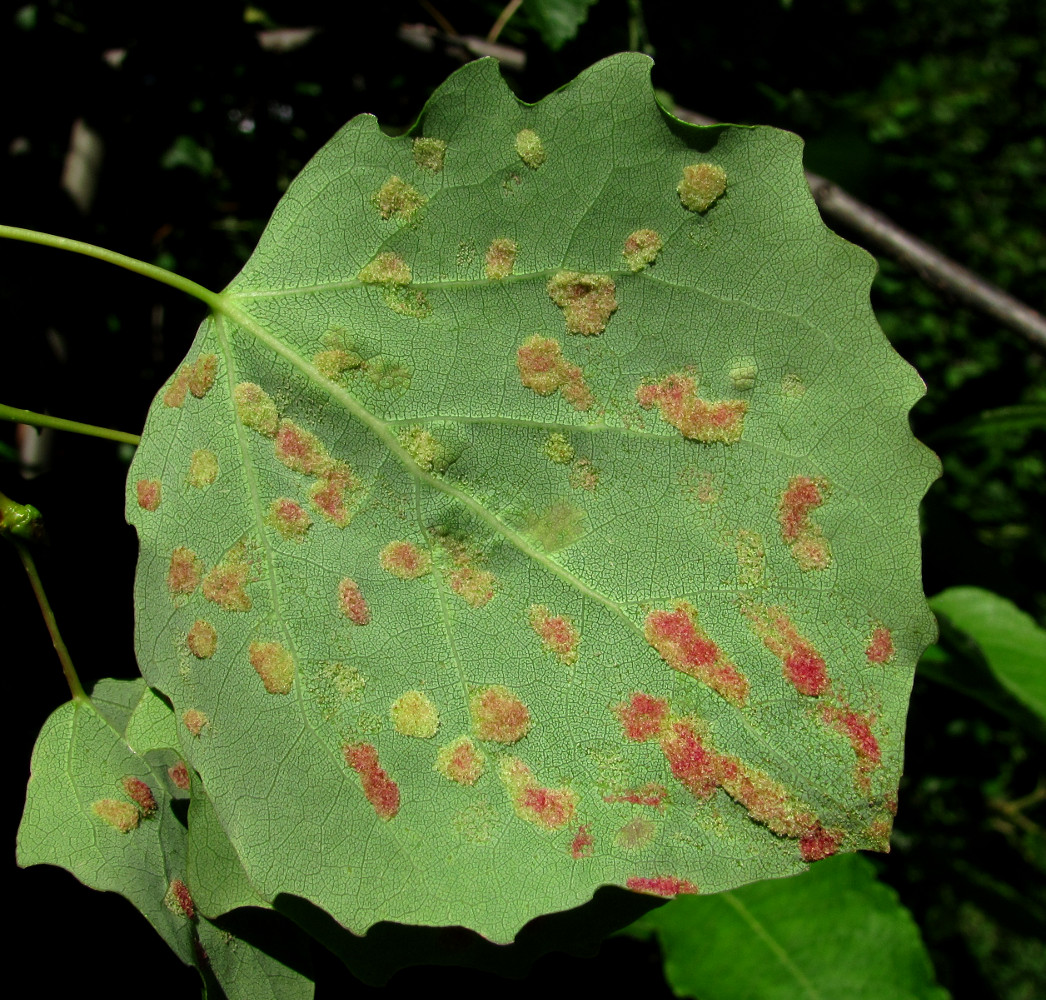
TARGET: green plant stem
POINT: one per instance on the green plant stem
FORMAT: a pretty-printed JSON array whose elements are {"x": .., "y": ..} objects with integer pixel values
[
  {"x": 8, "y": 518},
  {"x": 503, "y": 18},
  {"x": 213, "y": 299},
  {"x": 46, "y": 420}
]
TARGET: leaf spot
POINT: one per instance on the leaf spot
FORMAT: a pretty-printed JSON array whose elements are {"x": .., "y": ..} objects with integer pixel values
[
  {"x": 380, "y": 790},
  {"x": 183, "y": 576},
  {"x": 702, "y": 185},
  {"x": 413, "y": 714},
  {"x": 587, "y": 300},
  {"x": 558, "y": 526},
  {"x": 530, "y": 148},
  {"x": 225, "y": 583},
  {"x": 582, "y": 846},
  {"x": 405, "y": 560},
  {"x": 697, "y": 419},
  {"x": 558, "y": 634},
  {"x": 178, "y": 900},
  {"x": 636, "y": 834},
  {"x": 398, "y": 198},
  {"x": 179, "y": 775},
  {"x": 274, "y": 665},
  {"x": 203, "y": 468},
  {"x": 543, "y": 369},
  {"x": 141, "y": 793},
  {"x": 202, "y": 639},
  {"x": 194, "y": 721},
  {"x": 255, "y": 408},
  {"x": 641, "y": 249},
  {"x": 643, "y": 717},
  {"x": 352, "y": 603},
  {"x": 498, "y": 715},
  {"x": 461, "y": 761},
  {"x": 119, "y": 815},
  {"x": 386, "y": 269},
  {"x": 880, "y": 645},
  {"x": 751, "y": 558},
  {"x": 804, "y": 539},
  {"x": 288, "y": 519},
  {"x": 500, "y": 259},
  {"x": 661, "y": 885},
  {"x": 149, "y": 493},
  {"x": 558, "y": 449},
  {"x": 429, "y": 153},
  {"x": 804, "y": 668},
  {"x": 548, "y": 808}
]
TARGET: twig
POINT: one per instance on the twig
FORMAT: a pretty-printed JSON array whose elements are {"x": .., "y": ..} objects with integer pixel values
[
  {"x": 503, "y": 18},
  {"x": 930, "y": 264}
]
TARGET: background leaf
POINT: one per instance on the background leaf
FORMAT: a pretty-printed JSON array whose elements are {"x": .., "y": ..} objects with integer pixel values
[
  {"x": 82, "y": 814},
  {"x": 1010, "y": 641},
  {"x": 835, "y": 931},
  {"x": 386, "y": 528},
  {"x": 557, "y": 20}
]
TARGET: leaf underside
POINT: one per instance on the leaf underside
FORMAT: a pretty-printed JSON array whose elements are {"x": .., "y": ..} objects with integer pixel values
[{"x": 537, "y": 514}]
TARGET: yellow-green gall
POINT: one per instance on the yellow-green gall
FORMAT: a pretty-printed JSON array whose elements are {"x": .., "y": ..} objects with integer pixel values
[
  {"x": 701, "y": 185},
  {"x": 641, "y": 249},
  {"x": 386, "y": 269},
  {"x": 122, "y": 816},
  {"x": 500, "y": 258},
  {"x": 743, "y": 374},
  {"x": 274, "y": 665},
  {"x": 429, "y": 154},
  {"x": 202, "y": 640},
  {"x": 255, "y": 408},
  {"x": 398, "y": 198},
  {"x": 587, "y": 300},
  {"x": 407, "y": 301},
  {"x": 413, "y": 714},
  {"x": 425, "y": 449},
  {"x": 203, "y": 468},
  {"x": 558, "y": 449},
  {"x": 336, "y": 362},
  {"x": 530, "y": 148}
]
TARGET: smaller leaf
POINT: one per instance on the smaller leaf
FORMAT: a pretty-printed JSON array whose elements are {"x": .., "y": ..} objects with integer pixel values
[
  {"x": 1012, "y": 644},
  {"x": 557, "y": 20},
  {"x": 835, "y": 931}
]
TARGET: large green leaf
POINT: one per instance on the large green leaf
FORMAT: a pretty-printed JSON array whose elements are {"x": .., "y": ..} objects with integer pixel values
[
  {"x": 834, "y": 932},
  {"x": 537, "y": 513},
  {"x": 99, "y": 803}
]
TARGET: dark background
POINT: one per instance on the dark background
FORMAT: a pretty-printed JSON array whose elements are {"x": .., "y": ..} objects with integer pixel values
[{"x": 934, "y": 112}]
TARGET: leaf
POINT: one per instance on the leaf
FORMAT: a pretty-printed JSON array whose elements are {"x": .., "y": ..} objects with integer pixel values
[
  {"x": 833, "y": 932},
  {"x": 464, "y": 614},
  {"x": 96, "y": 807},
  {"x": 557, "y": 20},
  {"x": 1012, "y": 644}
]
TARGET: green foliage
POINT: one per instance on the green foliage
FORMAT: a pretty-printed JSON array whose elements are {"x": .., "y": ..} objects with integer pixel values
[
  {"x": 103, "y": 802},
  {"x": 557, "y": 21},
  {"x": 380, "y": 567},
  {"x": 833, "y": 932}
]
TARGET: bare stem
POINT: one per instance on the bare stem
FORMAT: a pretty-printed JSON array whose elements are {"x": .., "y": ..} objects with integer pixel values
[
  {"x": 503, "y": 18},
  {"x": 21, "y": 416}
]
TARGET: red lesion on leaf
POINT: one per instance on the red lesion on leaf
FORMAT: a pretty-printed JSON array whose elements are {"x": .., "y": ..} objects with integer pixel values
[
  {"x": 803, "y": 666},
  {"x": 183, "y": 575},
  {"x": 818, "y": 844},
  {"x": 289, "y": 519},
  {"x": 331, "y": 492},
  {"x": 767, "y": 801},
  {"x": 675, "y": 397},
  {"x": 661, "y": 885},
  {"x": 141, "y": 793},
  {"x": 652, "y": 795},
  {"x": 642, "y": 717},
  {"x": 686, "y": 647},
  {"x": 548, "y": 808},
  {"x": 149, "y": 493},
  {"x": 174, "y": 397},
  {"x": 558, "y": 634},
  {"x": 461, "y": 761},
  {"x": 857, "y": 728},
  {"x": 352, "y": 602},
  {"x": 498, "y": 715},
  {"x": 225, "y": 583},
  {"x": 381, "y": 791},
  {"x": 405, "y": 560},
  {"x": 692, "y": 763},
  {"x": 274, "y": 665},
  {"x": 473, "y": 584},
  {"x": 880, "y": 645},
  {"x": 179, "y": 775},
  {"x": 641, "y": 248},
  {"x": 543, "y": 369},
  {"x": 179, "y": 900},
  {"x": 587, "y": 300},
  {"x": 299, "y": 449},
  {"x": 196, "y": 377},
  {"x": 194, "y": 721},
  {"x": 583, "y": 844},
  {"x": 809, "y": 548}
]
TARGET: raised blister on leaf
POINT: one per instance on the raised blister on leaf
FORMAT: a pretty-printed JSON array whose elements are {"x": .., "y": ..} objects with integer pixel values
[{"x": 702, "y": 185}]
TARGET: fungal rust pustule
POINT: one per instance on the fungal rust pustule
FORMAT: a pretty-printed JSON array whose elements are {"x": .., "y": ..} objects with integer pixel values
[
  {"x": 707, "y": 421},
  {"x": 141, "y": 793},
  {"x": 352, "y": 603},
  {"x": 405, "y": 560},
  {"x": 803, "y": 666},
  {"x": 702, "y": 185},
  {"x": 194, "y": 721},
  {"x": 255, "y": 408},
  {"x": 385, "y": 269},
  {"x": 543, "y": 369},
  {"x": 179, "y": 901},
  {"x": 202, "y": 640},
  {"x": 289, "y": 519},
  {"x": 587, "y": 300},
  {"x": 225, "y": 584},
  {"x": 641, "y": 249},
  {"x": 149, "y": 493},
  {"x": 461, "y": 761},
  {"x": 498, "y": 715},
  {"x": 547, "y": 808},
  {"x": 558, "y": 634},
  {"x": 414, "y": 714},
  {"x": 121, "y": 816},
  {"x": 530, "y": 148},
  {"x": 398, "y": 198},
  {"x": 183, "y": 574},
  {"x": 379, "y": 789},
  {"x": 203, "y": 468},
  {"x": 500, "y": 259},
  {"x": 274, "y": 665},
  {"x": 429, "y": 153},
  {"x": 804, "y": 539}
]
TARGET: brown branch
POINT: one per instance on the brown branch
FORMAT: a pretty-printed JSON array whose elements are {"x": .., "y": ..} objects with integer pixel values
[{"x": 930, "y": 264}]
